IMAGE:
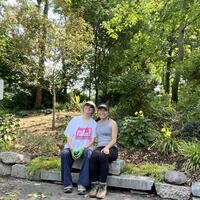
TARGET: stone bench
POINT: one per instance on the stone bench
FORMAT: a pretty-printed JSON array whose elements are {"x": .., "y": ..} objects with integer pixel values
[
  {"x": 115, "y": 167},
  {"x": 141, "y": 183}
]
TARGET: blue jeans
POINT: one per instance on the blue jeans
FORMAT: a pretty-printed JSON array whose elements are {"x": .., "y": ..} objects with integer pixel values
[{"x": 66, "y": 166}]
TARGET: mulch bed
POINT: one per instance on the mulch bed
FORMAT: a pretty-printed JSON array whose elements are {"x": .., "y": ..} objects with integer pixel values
[{"x": 141, "y": 156}]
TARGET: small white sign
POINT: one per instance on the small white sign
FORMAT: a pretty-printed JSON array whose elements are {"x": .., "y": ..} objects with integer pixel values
[{"x": 1, "y": 89}]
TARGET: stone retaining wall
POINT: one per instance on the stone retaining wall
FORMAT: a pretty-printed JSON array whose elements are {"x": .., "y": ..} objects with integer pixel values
[{"x": 14, "y": 164}]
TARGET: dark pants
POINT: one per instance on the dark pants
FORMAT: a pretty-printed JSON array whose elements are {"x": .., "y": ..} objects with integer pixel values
[
  {"x": 66, "y": 166},
  {"x": 99, "y": 164}
]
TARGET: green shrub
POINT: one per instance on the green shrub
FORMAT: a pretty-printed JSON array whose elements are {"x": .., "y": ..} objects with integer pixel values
[
  {"x": 163, "y": 112},
  {"x": 136, "y": 132},
  {"x": 155, "y": 171},
  {"x": 191, "y": 152},
  {"x": 191, "y": 130},
  {"x": 44, "y": 163},
  {"x": 166, "y": 143},
  {"x": 129, "y": 92},
  {"x": 8, "y": 126},
  {"x": 6, "y": 146},
  {"x": 74, "y": 104}
]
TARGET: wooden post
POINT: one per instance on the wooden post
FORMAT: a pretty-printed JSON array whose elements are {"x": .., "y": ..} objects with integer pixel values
[{"x": 1, "y": 89}]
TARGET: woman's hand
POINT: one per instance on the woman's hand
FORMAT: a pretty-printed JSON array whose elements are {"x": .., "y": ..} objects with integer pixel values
[{"x": 105, "y": 150}]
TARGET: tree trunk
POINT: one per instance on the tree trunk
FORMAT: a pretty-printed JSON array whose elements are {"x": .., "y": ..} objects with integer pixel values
[
  {"x": 180, "y": 43},
  {"x": 54, "y": 103},
  {"x": 168, "y": 72},
  {"x": 95, "y": 67},
  {"x": 39, "y": 92}
]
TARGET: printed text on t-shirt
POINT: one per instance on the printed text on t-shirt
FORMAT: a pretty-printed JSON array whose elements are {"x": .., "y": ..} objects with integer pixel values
[{"x": 84, "y": 134}]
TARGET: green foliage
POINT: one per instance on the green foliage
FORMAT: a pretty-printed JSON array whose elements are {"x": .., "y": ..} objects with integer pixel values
[
  {"x": 166, "y": 143},
  {"x": 155, "y": 171},
  {"x": 132, "y": 91},
  {"x": 191, "y": 152},
  {"x": 136, "y": 132},
  {"x": 44, "y": 163},
  {"x": 191, "y": 130},
  {"x": 6, "y": 146},
  {"x": 161, "y": 111},
  {"x": 8, "y": 126},
  {"x": 74, "y": 104}
]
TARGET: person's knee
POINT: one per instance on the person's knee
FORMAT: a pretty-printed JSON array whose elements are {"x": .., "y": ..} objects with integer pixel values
[
  {"x": 65, "y": 153},
  {"x": 103, "y": 157},
  {"x": 95, "y": 155},
  {"x": 87, "y": 153}
]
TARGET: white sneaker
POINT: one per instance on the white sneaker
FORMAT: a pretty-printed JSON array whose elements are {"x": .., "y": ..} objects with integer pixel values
[
  {"x": 81, "y": 189},
  {"x": 68, "y": 189}
]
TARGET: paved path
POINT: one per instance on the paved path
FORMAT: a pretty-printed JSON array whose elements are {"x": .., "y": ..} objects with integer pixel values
[{"x": 19, "y": 189}]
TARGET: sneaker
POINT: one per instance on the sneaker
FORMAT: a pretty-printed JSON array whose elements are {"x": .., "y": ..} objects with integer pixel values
[
  {"x": 101, "y": 194},
  {"x": 81, "y": 189},
  {"x": 94, "y": 189},
  {"x": 68, "y": 189}
]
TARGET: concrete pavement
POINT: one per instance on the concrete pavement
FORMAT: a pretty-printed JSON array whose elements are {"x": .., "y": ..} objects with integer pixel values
[{"x": 21, "y": 189}]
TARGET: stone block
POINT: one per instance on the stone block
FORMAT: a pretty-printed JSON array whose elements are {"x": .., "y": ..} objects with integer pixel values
[
  {"x": 14, "y": 158},
  {"x": 175, "y": 177},
  {"x": 50, "y": 175},
  {"x": 115, "y": 167},
  {"x": 168, "y": 191},
  {"x": 142, "y": 183},
  {"x": 19, "y": 171},
  {"x": 5, "y": 170},
  {"x": 196, "y": 189},
  {"x": 123, "y": 181}
]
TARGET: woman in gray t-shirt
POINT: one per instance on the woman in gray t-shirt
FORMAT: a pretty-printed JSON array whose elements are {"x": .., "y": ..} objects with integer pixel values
[{"x": 106, "y": 151}]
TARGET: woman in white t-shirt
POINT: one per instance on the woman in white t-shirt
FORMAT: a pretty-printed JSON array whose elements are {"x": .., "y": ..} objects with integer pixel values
[{"x": 80, "y": 134}]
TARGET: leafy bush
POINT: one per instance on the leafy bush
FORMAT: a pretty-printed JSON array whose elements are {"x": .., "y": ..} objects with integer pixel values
[
  {"x": 163, "y": 112},
  {"x": 8, "y": 126},
  {"x": 191, "y": 152},
  {"x": 155, "y": 171},
  {"x": 136, "y": 132},
  {"x": 166, "y": 143},
  {"x": 44, "y": 163},
  {"x": 6, "y": 146},
  {"x": 74, "y": 104},
  {"x": 129, "y": 92},
  {"x": 191, "y": 130}
]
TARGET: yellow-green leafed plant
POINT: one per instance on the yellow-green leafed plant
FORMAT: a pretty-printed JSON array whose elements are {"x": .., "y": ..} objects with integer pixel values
[
  {"x": 166, "y": 142},
  {"x": 191, "y": 152},
  {"x": 40, "y": 163},
  {"x": 76, "y": 102},
  {"x": 155, "y": 171}
]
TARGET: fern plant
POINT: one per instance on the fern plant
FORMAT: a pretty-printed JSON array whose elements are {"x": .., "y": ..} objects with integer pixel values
[{"x": 191, "y": 152}]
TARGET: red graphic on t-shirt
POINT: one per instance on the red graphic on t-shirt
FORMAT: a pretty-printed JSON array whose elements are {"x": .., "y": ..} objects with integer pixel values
[{"x": 84, "y": 134}]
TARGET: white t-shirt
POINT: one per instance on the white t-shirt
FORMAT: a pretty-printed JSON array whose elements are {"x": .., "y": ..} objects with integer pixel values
[{"x": 80, "y": 133}]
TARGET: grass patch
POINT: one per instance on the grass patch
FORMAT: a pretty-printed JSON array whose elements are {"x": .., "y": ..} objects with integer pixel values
[
  {"x": 44, "y": 163},
  {"x": 148, "y": 169},
  {"x": 6, "y": 146}
]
